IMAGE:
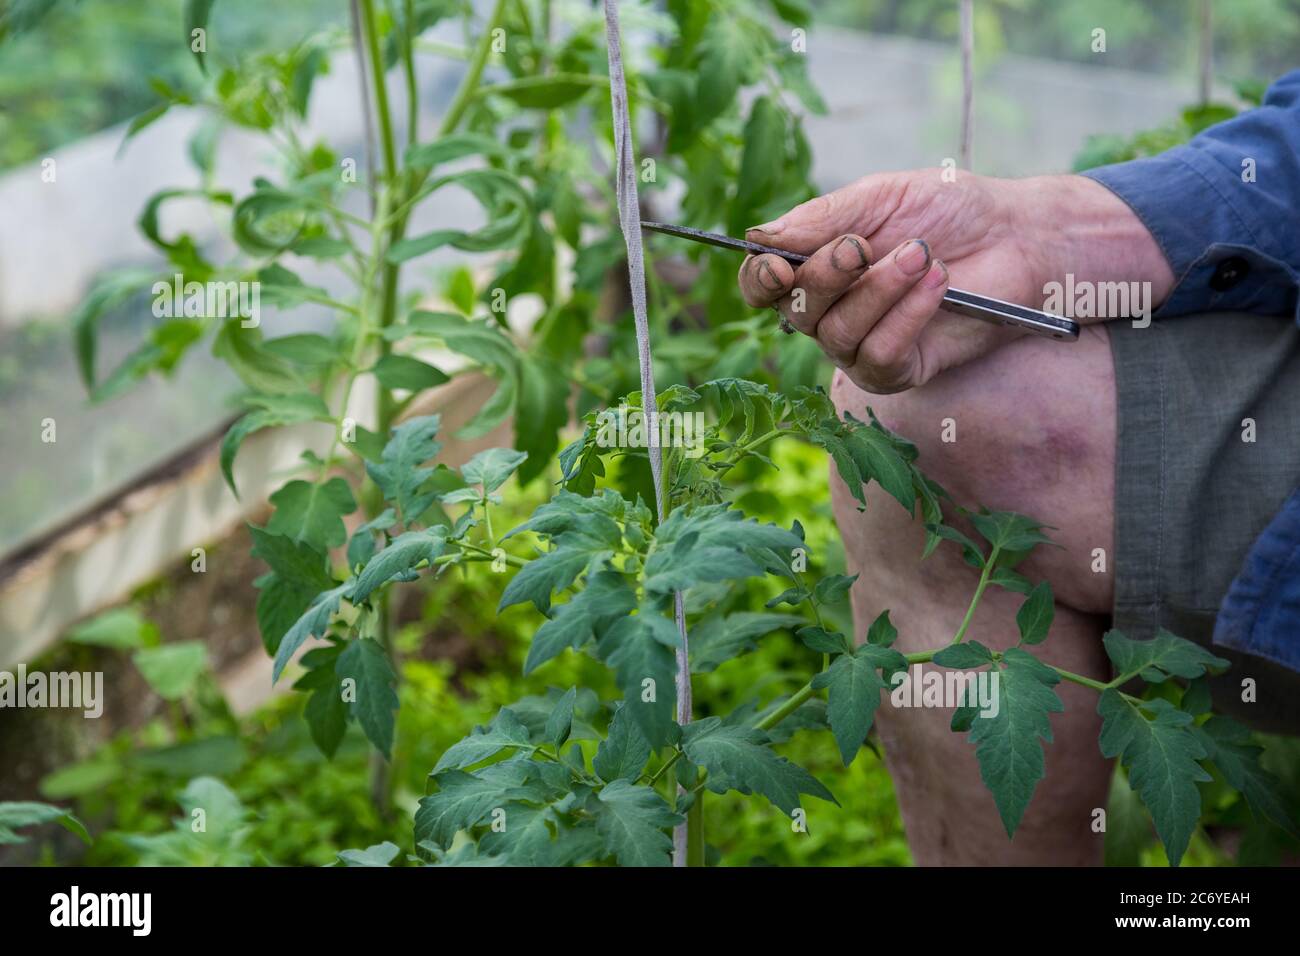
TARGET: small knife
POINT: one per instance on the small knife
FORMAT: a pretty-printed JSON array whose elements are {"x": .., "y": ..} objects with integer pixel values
[{"x": 956, "y": 300}]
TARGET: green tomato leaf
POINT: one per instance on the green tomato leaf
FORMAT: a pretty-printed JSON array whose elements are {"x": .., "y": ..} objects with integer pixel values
[
  {"x": 709, "y": 543},
  {"x": 260, "y": 369},
  {"x": 970, "y": 551},
  {"x": 492, "y": 467},
  {"x": 1006, "y": 742},
  {"x": 381, "y": 854},
  {"x": 1004, "y": 577},
  {"x": 1161, "y": 657},
  {"x": 541, "y": 411},
  {"x": 1035, "y": 616},
  {"x": 399, "y": 474},
  {"x": 312, "y": 513},
  {"x": 833, "y": 588},
  {"x": 314, "y": 622},
  {"x": 361, "y": 548},
  {"x": 292, "y": 560},
  {"x": 505, "y": 731},
  {"x": 1160, "y": 752},
  {"x": 854, "y": 683},
  {"x": 306, "y": 349},
  {"x": 632, "y": 821},
  {"x": 718, "y": 639},
  {"x": 640, "y": 650},
  {"x": 399, "y": 560},
  {"x": 1008, "y": 531},
  {"x": 606, "y": 597},
  {"x": 882, "y": 632},
  {"x": 572, "y": 554},
  {"x": 823, "y": 641},
  {"x": 622, "y": 755},
  {"x": 402, "y": 371},
  {"x": 197, "y": 13},
  {"x": 374, "y": 704},
  {"x": 494, "y": 411},
  {"x": 1229, "y": 747},
  {"x": 326, "y": 711},
  {"x": 526, "y": 838},
  {"x": 762, "y": 158},
  {"x": 730, "y": 51},
  {"x": 741, "y": 758},
  {"x": 560, "y": 722},
  {"x": 27, "y": 813},
  {"x": 464, "y": 799},
  {"x": 272, "y": 410},
  {"x": 968, "y": 654},
  {"x": 480, "y": 341},
  {"x": 445, "y": 149},
  {"x": 546, "y": 92},
  {"x": 876, "y": 457}
]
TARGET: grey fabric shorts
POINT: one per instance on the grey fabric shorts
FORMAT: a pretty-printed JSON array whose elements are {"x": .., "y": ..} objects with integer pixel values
[{"x": 1191, "y": 493}]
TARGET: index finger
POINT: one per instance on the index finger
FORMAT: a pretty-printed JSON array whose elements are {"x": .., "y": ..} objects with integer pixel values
[{"x": 857, "y": 208}]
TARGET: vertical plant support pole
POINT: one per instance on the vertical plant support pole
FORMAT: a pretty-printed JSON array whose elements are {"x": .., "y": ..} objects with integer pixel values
[
  {"x": 690, "y": 835},
  {"x": 967, "y": 80},
  {"x": 1205, "y": 50}
]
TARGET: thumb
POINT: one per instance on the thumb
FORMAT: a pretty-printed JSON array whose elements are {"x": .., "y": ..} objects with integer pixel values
[{"x": 810, "y": 225}]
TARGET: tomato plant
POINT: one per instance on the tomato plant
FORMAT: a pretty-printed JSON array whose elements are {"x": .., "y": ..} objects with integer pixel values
[{"x": 607, "y": 575}]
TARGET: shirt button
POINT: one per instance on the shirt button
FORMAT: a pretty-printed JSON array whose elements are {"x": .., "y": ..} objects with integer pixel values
[{"x": 1229, "y": 274}]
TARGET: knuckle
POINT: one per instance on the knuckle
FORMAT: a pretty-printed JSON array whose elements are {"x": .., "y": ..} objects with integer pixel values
[
  {"x": 879, "y": 352},
  {"x": 839, "y": 334},
  {"x": 819, "y": 207}
]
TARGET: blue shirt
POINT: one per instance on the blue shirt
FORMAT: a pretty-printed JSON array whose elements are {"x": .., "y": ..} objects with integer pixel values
[{"x": 1225, "y": 209}]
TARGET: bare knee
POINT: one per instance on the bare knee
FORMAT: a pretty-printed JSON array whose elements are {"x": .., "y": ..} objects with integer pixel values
[{"x": 1030, "y": 428}]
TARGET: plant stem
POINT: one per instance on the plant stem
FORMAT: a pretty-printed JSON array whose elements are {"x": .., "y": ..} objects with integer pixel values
[
  {"x": 388, "y": 301},
  {"x": 1079, "y": 679},
  {"x": 786, "y": 709},
  {"x": 408, "y": 67},
  {"x": 677, "y": 754},
  {"x": 469, "y": 85},
  {"x": 695, "y": 831},
  {"x": 508, "y": 559},
  {"x": 975, "y": 599},
  {"x": 371, "y": 32},
  {"x": 381, "y": 779}
]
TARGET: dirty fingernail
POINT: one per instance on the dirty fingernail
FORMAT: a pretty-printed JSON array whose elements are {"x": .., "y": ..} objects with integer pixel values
[
  {"x": 848, "y": 255},
  {"x": 913, "y": 257},
  {"x": 771, "y": 228},
  {"x": 768, "y": 278},
  {"x": 937, "y": 276}
]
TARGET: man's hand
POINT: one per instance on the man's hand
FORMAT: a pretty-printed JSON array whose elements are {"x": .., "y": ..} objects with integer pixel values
[{"x": 1004, "y": 238}]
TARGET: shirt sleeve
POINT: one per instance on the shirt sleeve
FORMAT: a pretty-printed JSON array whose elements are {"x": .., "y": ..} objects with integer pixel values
[{"x": 1225, "y": 209}]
